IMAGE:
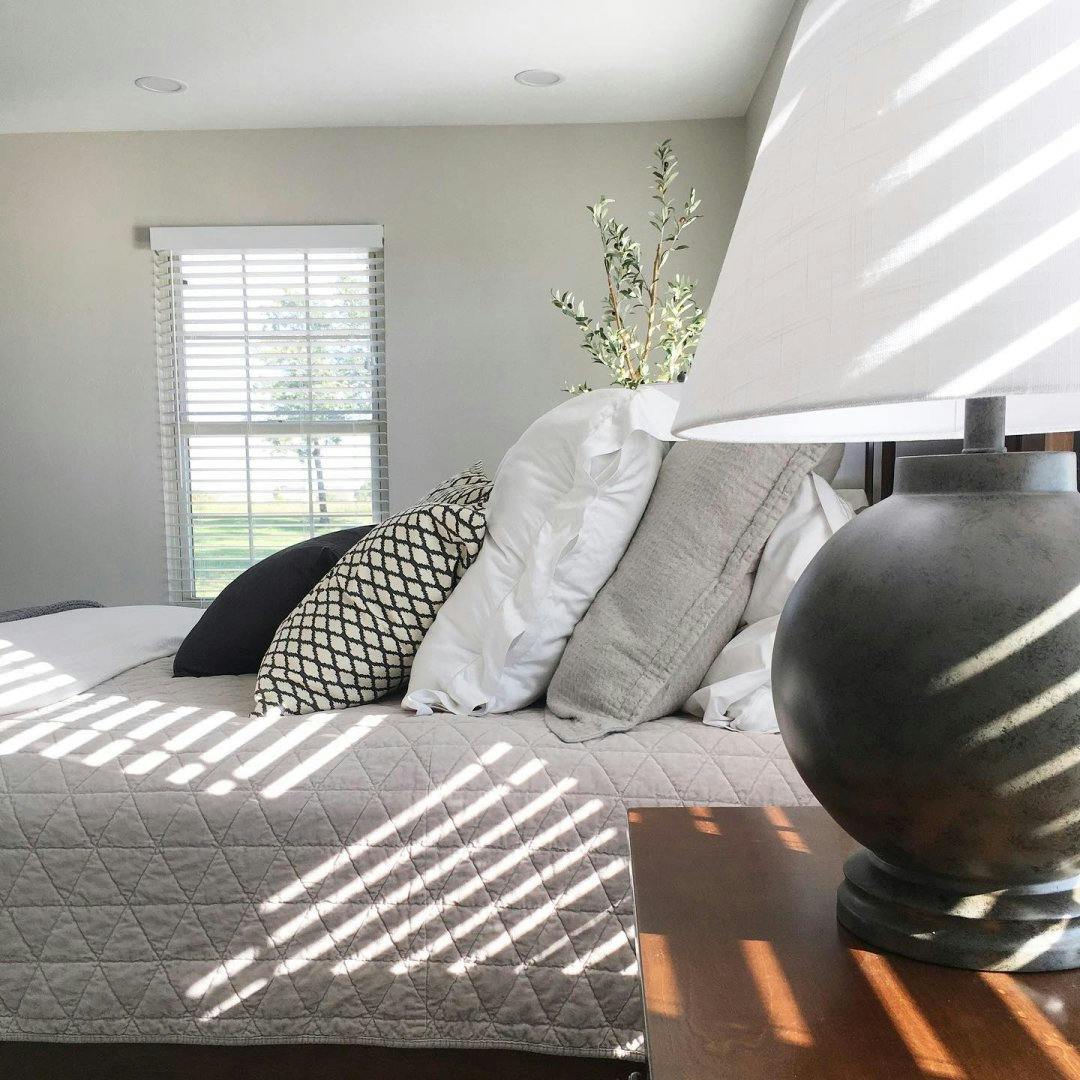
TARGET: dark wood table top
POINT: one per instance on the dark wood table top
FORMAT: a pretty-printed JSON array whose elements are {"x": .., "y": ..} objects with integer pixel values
[{"x": 746, "y": 973}]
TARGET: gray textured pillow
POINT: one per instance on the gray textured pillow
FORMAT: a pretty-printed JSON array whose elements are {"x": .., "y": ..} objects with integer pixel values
[
  {"x": 677, "y": 596},
  {"x": 830, "y": 462}
]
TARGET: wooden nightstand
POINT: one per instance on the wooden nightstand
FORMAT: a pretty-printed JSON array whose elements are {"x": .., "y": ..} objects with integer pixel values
[{"x": 747, "y": 975}]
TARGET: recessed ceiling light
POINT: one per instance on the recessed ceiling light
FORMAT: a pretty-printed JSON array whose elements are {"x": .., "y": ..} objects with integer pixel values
[
  {"x": 159, "y": 84},
  {"x": 537, "y": 77}
]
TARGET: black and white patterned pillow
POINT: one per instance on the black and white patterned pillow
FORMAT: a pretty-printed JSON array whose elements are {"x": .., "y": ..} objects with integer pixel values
[{"x": 353, "y": 637}]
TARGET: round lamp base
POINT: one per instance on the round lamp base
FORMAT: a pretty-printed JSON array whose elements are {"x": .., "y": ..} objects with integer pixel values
[
  {"x": 925, "y": 675},
  {"x": 1033, "y": 928}
]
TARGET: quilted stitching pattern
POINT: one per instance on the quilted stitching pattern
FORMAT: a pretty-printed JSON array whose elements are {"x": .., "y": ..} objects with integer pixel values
[
  {"x": 171, "y": 868},
  {"x": 353, "y": 638}
]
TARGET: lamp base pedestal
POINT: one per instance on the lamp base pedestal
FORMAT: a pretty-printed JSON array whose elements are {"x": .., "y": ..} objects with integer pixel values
[{"x": 1033, "y": 928}]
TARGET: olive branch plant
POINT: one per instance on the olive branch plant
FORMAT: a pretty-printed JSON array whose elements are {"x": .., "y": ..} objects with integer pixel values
[{"x": 642, "y": 335}]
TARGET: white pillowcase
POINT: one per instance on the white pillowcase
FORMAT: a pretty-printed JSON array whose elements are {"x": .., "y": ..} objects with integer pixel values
[
  {"x": 567, "y": 499},
  {"x": 815, "y": 513},
  {"x": 737, "y": 689}
]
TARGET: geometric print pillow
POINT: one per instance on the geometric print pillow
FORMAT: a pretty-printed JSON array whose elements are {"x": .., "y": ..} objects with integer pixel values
[{"x": 352, "y": 639}]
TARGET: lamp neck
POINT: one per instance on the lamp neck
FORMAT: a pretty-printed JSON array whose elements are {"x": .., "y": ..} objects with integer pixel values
[{"x": 984, "y": 425}]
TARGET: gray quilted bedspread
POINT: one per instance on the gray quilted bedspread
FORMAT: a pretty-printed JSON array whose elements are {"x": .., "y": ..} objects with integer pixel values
[{"x": 172, "y": 869}]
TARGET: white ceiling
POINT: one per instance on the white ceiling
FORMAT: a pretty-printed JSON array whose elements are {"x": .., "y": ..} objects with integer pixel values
[{"x": 68, "y": 65}]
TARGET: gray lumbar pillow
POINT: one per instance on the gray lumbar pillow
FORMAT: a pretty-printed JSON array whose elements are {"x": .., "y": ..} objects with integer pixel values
[
  {"x": 676, "y": 597},
  {"x": 830, "y": 462}
]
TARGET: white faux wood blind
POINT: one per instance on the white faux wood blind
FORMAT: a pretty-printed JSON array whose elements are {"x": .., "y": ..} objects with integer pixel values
[{"x": 272, "y": 388}]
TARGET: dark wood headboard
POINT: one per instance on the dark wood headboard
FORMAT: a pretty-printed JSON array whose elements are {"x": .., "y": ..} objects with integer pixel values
[{"x": 880, "y": 466}]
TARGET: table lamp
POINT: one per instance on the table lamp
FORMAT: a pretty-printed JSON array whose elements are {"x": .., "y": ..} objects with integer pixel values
[{"x": 906, "y": 265}]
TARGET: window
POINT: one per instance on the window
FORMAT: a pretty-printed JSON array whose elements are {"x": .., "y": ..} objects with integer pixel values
[{"x": 272, "y": 385}]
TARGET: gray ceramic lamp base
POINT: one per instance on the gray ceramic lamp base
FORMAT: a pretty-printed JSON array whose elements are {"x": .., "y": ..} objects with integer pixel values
[
  {"x": 1033, "y": 928},
  {"x": 926, "y": 676}
]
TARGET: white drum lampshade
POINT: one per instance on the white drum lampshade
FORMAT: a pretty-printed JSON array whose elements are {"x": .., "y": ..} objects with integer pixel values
[{"x": 910, "y": 236}]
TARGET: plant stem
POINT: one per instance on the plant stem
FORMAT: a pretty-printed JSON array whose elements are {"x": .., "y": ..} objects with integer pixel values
[
  {"x": 623, "y": 336},
  {"x": 619, "y": 328},
  {"x": 653, "y": 286}
]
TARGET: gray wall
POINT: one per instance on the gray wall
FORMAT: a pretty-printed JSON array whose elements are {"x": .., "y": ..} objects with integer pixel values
[{"x": 480, "y": 224}]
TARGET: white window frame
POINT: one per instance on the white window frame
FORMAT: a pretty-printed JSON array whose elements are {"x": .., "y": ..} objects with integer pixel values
[{"x": 168, "y": 244}]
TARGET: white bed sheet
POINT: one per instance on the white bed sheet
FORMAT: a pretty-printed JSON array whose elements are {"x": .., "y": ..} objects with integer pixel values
[{"x": 51, "y": 657}]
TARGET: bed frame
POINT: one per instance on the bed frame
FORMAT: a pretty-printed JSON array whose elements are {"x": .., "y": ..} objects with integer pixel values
[{"x": 880, "y": 458}]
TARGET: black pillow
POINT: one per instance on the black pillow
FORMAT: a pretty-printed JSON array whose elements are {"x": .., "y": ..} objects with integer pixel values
[{"x": 237, "y": 628}]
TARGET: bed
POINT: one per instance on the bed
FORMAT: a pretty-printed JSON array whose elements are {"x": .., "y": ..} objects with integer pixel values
[{"x": 173, "y": 870}]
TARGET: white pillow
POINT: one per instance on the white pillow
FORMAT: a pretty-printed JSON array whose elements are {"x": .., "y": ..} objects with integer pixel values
[
  {"x": 567, "y": 499},
  {"x": 737, "y": 689},
  {"x": 815, "y": 513}
]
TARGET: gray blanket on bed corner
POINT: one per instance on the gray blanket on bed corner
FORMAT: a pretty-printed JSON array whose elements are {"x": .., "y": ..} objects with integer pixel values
[{"x": 15, "y": 614}]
